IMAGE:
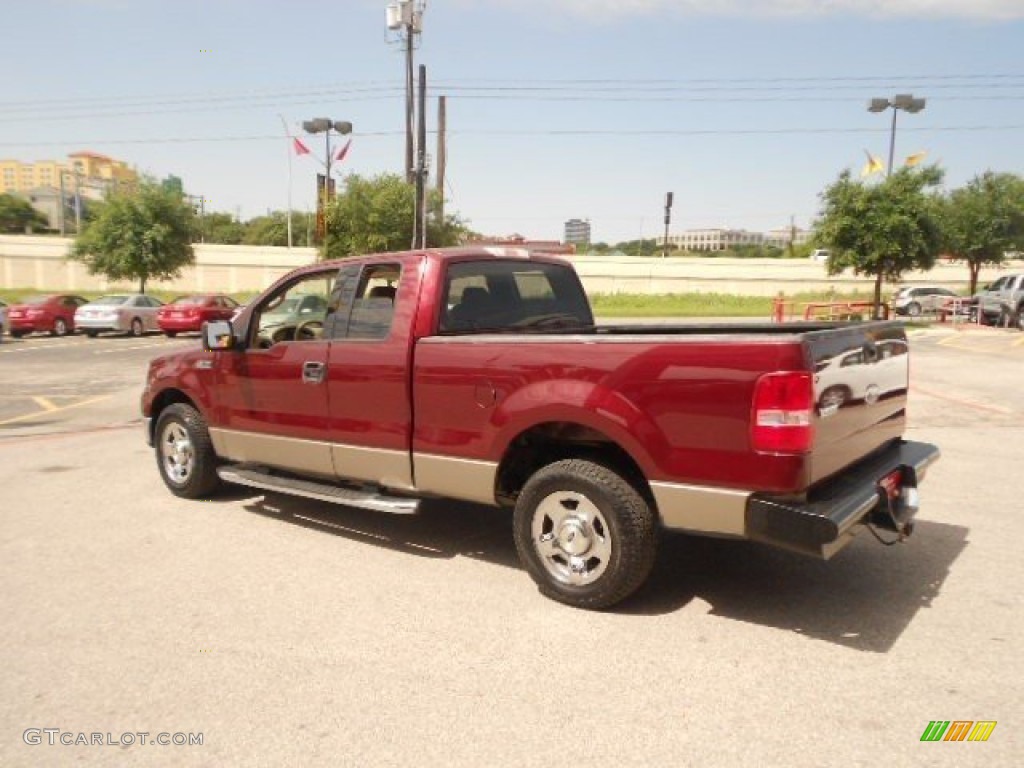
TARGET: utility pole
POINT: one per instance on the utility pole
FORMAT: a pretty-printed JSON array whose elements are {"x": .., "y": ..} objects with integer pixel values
[
  {"x": 420, "y": 221},
  {"x": 406, "y": 18},
  {"x": 442, "y": 156},
  {"x": 668, "y": 218}
]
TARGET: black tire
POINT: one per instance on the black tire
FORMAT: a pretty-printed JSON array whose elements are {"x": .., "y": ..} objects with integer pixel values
[
  {"x": 136, "y": 329},
  {"x": 836, "y": 395},
  {"x": 92, "y": 334},
  {"x": 170, "y": 334},
  {"x": 17, "y": 334},
  {"x": 914, "y": 309},
  {"x": 184, "y": 452},
  {"x": 621, "y": 538},
  {"x": 1020, "y": 318},
  {"x": 60, "y": 327}
]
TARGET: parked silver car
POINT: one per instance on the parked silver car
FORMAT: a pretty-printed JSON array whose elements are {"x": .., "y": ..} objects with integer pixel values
[
  {"x": 1002, "y": 303},
  {"x": 121, "y": 312},
  {"x": 921, "y": 299}
]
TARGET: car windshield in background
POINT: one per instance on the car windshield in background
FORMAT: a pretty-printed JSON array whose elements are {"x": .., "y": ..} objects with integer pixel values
[
  {"x": 36, "y": 300},
  {"x": 110, "y": 301},
  {"x": 185, "y": 300}
]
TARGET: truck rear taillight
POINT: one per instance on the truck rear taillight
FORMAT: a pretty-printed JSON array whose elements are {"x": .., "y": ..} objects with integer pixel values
[{"x": 781, "y": 416}]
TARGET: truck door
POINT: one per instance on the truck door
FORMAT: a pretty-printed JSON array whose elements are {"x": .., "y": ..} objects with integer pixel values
[
  {"x": 275, "y": 396},
  {"x": 368, "y": 382}
]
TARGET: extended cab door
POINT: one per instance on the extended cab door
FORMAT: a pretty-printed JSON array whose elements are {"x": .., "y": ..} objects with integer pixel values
[
  {"x": 273, "y": 401},
  {"x": 369, "y": 360}
]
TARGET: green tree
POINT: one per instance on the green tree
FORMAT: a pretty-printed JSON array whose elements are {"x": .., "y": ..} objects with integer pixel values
[
  {"x": 984, "y": 220},
  {"x": 222, "y": 228},
  {"x": 140, "y": 234},
  {"x": 17, "y": 216},
  {"x": 272, "y": 229},
  {"x": 375, "y": 214},
  {"x": 882, "y": 229}
]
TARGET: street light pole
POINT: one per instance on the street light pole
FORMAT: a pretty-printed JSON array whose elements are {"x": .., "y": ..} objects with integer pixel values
[
  {"x": 904, "y": 101},
  {"x": 325, "y": 125}
]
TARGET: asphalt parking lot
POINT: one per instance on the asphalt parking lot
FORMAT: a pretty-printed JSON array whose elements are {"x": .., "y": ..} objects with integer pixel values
[{"x": 289, "y": 632}]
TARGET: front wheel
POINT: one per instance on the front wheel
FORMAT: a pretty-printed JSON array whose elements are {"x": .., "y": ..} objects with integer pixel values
[
  {"x": 136, "y": 329},
  {"x": 60, "y": 327},
  {"x": 914, "y": 309},
  {"x": 170, "y": 334},
  {"x": 184, "y": 452},
  {"x": 585, "y": 535}
]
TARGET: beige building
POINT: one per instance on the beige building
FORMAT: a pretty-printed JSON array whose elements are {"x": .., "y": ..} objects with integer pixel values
[
  {"x": 714, "y": 239},
  {"x": 91, "y": 172}
]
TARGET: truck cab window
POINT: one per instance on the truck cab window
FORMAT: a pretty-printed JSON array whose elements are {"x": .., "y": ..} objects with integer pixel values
[
  {"x": 373, "y": 305},
  {"x": 296, "y": 313},
  {"x": 517, "y": 295}
]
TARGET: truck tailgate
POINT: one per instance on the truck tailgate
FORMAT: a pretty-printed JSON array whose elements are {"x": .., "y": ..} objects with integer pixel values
[{"x": 861, "y": 375}]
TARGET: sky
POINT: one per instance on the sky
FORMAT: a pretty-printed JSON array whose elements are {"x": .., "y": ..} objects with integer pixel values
[{"x": 556, "y": 109}]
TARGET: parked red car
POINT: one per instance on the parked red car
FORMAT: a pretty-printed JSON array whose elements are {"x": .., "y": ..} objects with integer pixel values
[
  {"x": 54, "y": 314},
  {"x": 188, "y": 313}
]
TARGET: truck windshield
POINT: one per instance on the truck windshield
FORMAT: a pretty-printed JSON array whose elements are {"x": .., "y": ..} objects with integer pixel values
[{"x": 499, "y": 295}]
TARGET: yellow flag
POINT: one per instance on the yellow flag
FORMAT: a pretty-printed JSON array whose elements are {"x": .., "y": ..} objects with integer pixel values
[
  {"x": 915, "y": 158},
  {"x": 874, "y": 165}
]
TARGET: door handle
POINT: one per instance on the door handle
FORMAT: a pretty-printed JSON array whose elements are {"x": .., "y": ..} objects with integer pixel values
[{"x": 313, "y": 372}]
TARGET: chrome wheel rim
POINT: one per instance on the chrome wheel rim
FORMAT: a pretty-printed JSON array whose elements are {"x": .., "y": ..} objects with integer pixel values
[
  {"x": 572, "y": 538},
  {"x": 136, "y": 328},
  {"x": 177, "y": 456},
  {"x": 60, "y": 328}
]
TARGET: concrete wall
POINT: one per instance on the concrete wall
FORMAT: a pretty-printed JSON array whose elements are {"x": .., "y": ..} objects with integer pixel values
[{"x": 39, "y": 263}]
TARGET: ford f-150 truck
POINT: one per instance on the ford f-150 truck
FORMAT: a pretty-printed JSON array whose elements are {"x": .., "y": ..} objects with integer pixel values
[{"x": 479, "y": 374}]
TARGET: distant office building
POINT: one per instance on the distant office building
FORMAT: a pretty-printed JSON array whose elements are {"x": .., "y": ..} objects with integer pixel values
[
  {"x": 577, "y": 232},
  {"x": 781, "y": 237},
  {"x": 715, "y": 239}
]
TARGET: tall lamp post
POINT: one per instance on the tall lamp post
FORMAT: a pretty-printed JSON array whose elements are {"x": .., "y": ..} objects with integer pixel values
[
  {"x": 904, "y": 101},
  {"x": 325, "y": 126}
]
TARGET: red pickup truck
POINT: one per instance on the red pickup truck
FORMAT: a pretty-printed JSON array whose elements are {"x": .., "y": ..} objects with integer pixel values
[{"x": 479, "y": 374}]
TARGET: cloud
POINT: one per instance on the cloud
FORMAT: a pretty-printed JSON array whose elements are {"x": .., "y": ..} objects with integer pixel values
[{"x": 873, "y": 9}]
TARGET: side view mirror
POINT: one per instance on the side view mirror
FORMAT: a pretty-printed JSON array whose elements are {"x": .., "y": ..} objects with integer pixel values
[{"x": 218, "y": 334}]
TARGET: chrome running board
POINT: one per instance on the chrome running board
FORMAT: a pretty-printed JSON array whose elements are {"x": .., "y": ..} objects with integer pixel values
[{"x": 257, "y": 477}]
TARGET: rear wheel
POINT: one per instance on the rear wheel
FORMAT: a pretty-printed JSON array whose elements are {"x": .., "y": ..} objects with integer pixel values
[
  {"x": 17, "y": 334},
  {"x": 184, "y": 452},
  {"x": 136, "y": 327},
  {"x": 170, "y": 334},
  {"x": 60, "y": 327},
  {"x": 92, "y": 334},
  {"x": 586, "y": 536},
  {"x": 913, "y": 309}
]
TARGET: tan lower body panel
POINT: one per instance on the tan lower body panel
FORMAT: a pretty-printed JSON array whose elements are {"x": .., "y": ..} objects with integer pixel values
[
  {"x": 308, "y": 456},
  {"x": 377, "y": 465},
  {"x": 388, "y": 468},
  {"x": 465, "y": 479},
  {"x": 701, "y": 509}
]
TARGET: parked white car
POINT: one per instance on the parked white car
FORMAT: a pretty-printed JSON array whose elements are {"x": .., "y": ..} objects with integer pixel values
[
  {"x": 867, "y": 375},
  {"x": 121, "y": 312}
]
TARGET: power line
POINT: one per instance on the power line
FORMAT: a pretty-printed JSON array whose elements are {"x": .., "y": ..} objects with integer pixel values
[{"x": 554, "y": 132}]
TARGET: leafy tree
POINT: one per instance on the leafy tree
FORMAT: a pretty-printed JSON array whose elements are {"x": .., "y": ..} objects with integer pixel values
[
  {"x": 222, "y": 228},
  {"x": 984, "y": 220},
  {"x": 882, "y": 229},
  {"x": 376, "y": 214},
  {"x": 17, "y": 216},
  {"x": 143, "y": 233},
  {"x": 639, "y": 247},
  {"x": 272, "y": 229}
]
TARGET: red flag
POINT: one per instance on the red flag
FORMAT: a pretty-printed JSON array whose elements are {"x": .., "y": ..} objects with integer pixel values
[
  {"x": 300, "y": 148},
  {"x": 343, "y": 151}
]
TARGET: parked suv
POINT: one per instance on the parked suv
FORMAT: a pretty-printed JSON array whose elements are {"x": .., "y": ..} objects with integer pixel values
[
  {"x": 1002, "y": 302},
  {"x": 920, "y": 299}
]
